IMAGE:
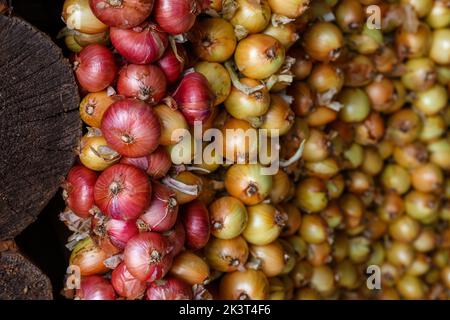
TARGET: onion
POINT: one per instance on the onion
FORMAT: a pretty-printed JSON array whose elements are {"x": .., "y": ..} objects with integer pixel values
[
  {"x": 171, "y": 121},
  {"x": 144, "y": 82},
  {"x": 93, "y": 107},
  {"x": 213, "y": 39},
  {"x": 95, "y": 288},
  {"x": 259, "y": 56},
  {"x": 176, "y": 16},
  {"x": 279, "y": 119},
  {"x": 148, "y": 256},
  {"x": 269, "y": 258},
  {"x": 246, "y": 285},
  {"x": 286, "y": 34},
  {"x": 120, "y": 232},
  {"x": 172, "y": 63},
  {"x": 265, "y": 224},
  {"x": 187, "y": 186},
  {"x": 218, "y": 79},
  {"x": 95, "y": 153},
  {"x": 289, "y": 8},
  {"x": 89, "y": 258},
  {"x": 190, "y": 268},
  {"x": 281, "y": 187},
  {"x": 141, "y": 45},
  {"x": 79, "y": 190},
  {"x": 95, "y": 68},
  {"x": 85, "y": 39},
  {"x": 311, "y": 195},
  {"x": 156, "y": 165},
  {"x": 249, "y": 16},
  {"x": 228, "y": 217},
  {"x": 196, "y": 223},
  {"x": 323, "y": 41},
  {"x": 239, "y": 141},
  {"x": 194, "y": 97},
  {"x": 169, "y": 289},
  {"x": 78, "y": 16},
  {"x": 132, "y": 128},
  {"x": 122, "y": 13},
  {"x": 226, "y": 255},
  {"x": 176, "y": 238},
  {"x": 125, "y": 284},
  {"x": 163, "y": 211},
  {"x": 122, "y": 192}
]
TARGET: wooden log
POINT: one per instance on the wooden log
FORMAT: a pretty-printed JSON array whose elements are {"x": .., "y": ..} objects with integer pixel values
[
  {"x": 39, "y": 123},
  {"x": 19, "y": 278}
]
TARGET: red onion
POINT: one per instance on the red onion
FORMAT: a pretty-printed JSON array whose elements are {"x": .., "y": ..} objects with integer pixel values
[
  {"x": 173, "y": 64},
  {"x": 176, "y": 16},
  {"x": 140, "y": 45},
  {"x": 196, "y": 224},
  {"x": 121, "y": 231},
  {"x": 163, "y": 211},
  {"x": 79, "y": 190},
  {"x": 95, "y": 288},
  {"x": 145, "y": 82},
  {"x": 125, "y": 284},
  {"x": 123, "y": 192},
  {"x": 147, "y": 256},
  {"x": 122, "y": 13},
  {"x": 131, "y": 128},
  {"x": 169, "y": 289},
  {"x": 194, "y": 97},
  {"x": 176, "y": 238},
  {"x": 95, "y": 68},
  {"x": 156, "y": 165}
]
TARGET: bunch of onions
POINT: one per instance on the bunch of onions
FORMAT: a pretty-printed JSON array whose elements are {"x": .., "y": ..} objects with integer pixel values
[
  {"x": 95, "y": 68},
  {"x": 144, "y": 82},
  {"x": 95, "y": 288},
  {"x": 196, "y": 224},
  {"x": 176, "y": 16},
  {"x": 122, "y": 192},
  {"x": 148, "y": 256},
  {"x": 156, "y": 165},
  {"x": 125, "y": 284},
  {"x": 131, "y": 128},
  {"x": 140, "y": 45},
  {"x": 122, "y": 13},
  {"x": 163, "y": 211},
  {"x": 194, "y": 97},
  {"x": 169, "y": 289},
  {"x": 79, "y": 190}
]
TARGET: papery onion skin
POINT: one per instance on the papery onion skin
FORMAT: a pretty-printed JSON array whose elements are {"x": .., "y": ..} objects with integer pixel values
[
  {"x": 228, "y": 217},
  {"x": 91, "y": 156},
  {"x": 122, "y": 14},
  {"x": 169, "y": 289},
  {"x": 93, "y": 107},
  {"x": 147, "y": 256},
  {"x": 78, "y": 16},
  {"x": 190, "y": 179},
  {"x": 79, "y": 190},
  {"x": 171, "y": 120},
  {"x": 120, "y": 231},
  {"x": 191, "y": 268},
  {"x": 156, "y": 165},
  {"x": 95, "y": 68},
  {"x": 176, "y": 16},
  {"x": 194, "y": 97},
  {"x": 89, "y": 258},
  {"x": 246, "y": 285},
  {"x": 141, "y": 45},
  {"x": 171, "y": 65},
  {"x": 196, "y": 223},
  {"x": 122, "y": 192},
  {"x": 176, "y": 238},
  {"x": 125, "y": 284},
  {"x": 163, "y": 211},
  {"x": 131, "y": 128},
  {"x": 144, "y": 82},
  {"x": 226, "y": 255},
  {"x": 95, "y": 288}
]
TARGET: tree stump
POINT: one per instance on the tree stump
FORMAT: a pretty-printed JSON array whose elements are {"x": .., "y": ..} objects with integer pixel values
[{"x": 39, "y": 129}]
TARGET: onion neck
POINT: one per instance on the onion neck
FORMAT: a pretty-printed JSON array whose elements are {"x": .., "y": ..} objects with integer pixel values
[
  {"x": 217, "y": 225},
  {"x": 115, "y": 188},
  {"x": 115, "y": 3},
  {"x": 126, "y": 138},
  {"x": 155, "y": 256},
  {"x": 271, "y": 53},
  {"x": 90, "y": 109},
  {"x": 252, "y": 189},
  {"x": 243, "y": 296}
]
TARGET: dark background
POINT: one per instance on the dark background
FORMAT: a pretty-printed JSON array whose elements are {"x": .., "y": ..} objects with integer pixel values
[{"x": 43, "y": 241}]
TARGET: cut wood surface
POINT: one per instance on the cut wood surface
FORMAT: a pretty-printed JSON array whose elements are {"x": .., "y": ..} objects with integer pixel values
[{"x": 39, "y": 124}]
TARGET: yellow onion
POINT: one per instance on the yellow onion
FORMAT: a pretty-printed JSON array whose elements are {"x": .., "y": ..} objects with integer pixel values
[
  {"x": 228, "y": 217},
  {"x": 240, "y": 141},
  {"x": 218, "y": 79},
  {"x": 265, "y": 224},
  {"x": 311, "y": 195},
  {"x": 313, "y": 229},
  {"x": 226, "y": 255},
  {"x": 323, "y": 280},
  {"x": 250, "y": 16},
  {"x": 286, "y": 34},
  {"x": 77, "y": 15},
  {"x": 191, "y": 268},
  {"x": 71, "y": 43},
  {"x": 186, "y": 185},
  {"x": 439, "y": 15},
  {"x": 289, "y": 8},
  {"x": 89, "y": 258},
  {"x": 93, "y": 106},
  {"x": 245, "y": 285},
  {"x": 269, "y": 258},
  {"x": 183, "y": 150},
  {"x": 323, "y": 41},
  {"x": 281, "y": 187},
  {"x": 411, "y": 287},
  {"x": 95, "y": 153},
  {"x": 279, "y": 119},
  {"x": 170, "y": 120}
]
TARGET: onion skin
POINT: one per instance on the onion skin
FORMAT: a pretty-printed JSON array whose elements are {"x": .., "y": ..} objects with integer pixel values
[
  {"x": 170, "y": 120},
  {"x": 226, "y": 255},
  {"x": 194, "y": 97},
  {"x": 89, "y": 258},
  {"x": 78, "y": 16},
  {"x": 127, "y": 14},
  {"x": 93, "y": 107},
  {"x": 125, "y": 284},
  {"x": 246, "y": 285},
  {"x": 196, "y": 223},
  {"x": 120, "y": 231},
  {"x": 171, "y": 65},
  {"x": 176, "y": 16},
  {"x": 191, "y": 268},
  {"x": 95, "y": 288},
  {"x": 163, "y": 211},
  {"x": 228, "y": 217},
  {"x": 156, "y": 165},
  {"x": 265, "y": 224},
  {"x": 122, "y": 192},
  {"x": 147, "y": 256},
  {"x": 79, "y": 190},
  {"x": 289, "y": 8},
  {"x": 141, "y": 45},
  {"x": 144, "y": 82},
  {"x": 95, "y": 68},
  {"x": 169, "y": 289},
  {"x": 176, "y": 238},
  {"x": 131, "y": 128}
]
